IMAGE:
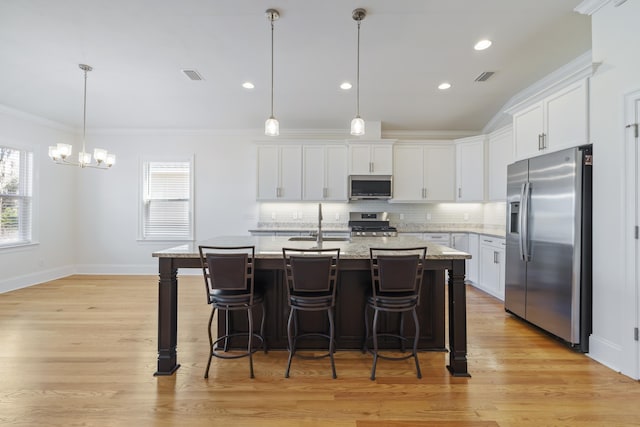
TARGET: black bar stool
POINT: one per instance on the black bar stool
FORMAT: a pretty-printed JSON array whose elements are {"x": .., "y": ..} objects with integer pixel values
[
  {"x": 228, "y": 275},
  {"x": 396, "y": 279},
  {"x": 311, "y": 276}
]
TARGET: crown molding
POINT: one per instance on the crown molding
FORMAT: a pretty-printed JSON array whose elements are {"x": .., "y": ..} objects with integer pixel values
[
  {"x": 406, "y": 135},
  {"x": 32, "y": 118},
  {"x": 589, "y": 7},
  {"x": 580, "y": 68}
]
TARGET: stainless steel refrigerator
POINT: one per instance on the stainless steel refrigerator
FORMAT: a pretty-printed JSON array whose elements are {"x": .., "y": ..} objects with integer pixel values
[{"x": 548, "y": 254}]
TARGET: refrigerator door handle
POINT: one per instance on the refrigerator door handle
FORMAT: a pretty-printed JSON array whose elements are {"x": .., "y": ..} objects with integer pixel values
[
  {"x": 520, "y": 229},
  {"x": 524, "y": 222}
]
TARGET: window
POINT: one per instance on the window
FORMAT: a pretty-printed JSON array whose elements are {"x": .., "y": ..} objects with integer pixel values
[
  {"x": 167, "y": 200},
  {"x": 16, "y": 177}
]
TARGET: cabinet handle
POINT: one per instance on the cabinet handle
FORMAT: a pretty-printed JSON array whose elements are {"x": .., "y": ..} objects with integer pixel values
[
  {"x": 324, "y": 192},
  {"x": 544, "y": 140},
  {"x": 277, "y": 191},
  {"x": 495, "y": 257},
  {"x": 370, "y": 166},
  {"x": 459, "y": 192},
  {"x": 540, "y": 142},
  {"x": 424, "y": 193}
]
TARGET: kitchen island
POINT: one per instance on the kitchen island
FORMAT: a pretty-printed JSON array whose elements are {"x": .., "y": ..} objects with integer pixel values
[{"x": 353, "y": 282}]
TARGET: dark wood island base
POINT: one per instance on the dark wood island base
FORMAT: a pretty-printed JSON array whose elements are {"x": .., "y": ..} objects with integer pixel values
[{"x": 353, "y": 283}]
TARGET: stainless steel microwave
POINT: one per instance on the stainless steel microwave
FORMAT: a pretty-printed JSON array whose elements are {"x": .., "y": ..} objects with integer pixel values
[{"x": 370, "y": 187}]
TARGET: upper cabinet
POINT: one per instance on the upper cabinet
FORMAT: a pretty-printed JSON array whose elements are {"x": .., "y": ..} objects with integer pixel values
[
  {"x": 558, "y": 121},
  {"x": 371, "y": 158},
  {"x": 279, "y": 172},
  {"x": 470, "y": 169},
  {"x": 500, "y": 153},
  {"x": 324, "y": 172},
  {"x": 423, "y": 172}
]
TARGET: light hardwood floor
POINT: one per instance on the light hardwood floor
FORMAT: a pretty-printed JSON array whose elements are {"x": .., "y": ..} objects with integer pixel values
[{"x": 81, "y": 351}]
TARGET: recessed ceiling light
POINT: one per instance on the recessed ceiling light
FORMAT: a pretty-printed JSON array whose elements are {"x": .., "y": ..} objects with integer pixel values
[
  {"x": 482, "y": 44},
  {"x": 444, "y": 86},
  {"x": 345, "y": 86},
  {"x": 248, "y": 85}
]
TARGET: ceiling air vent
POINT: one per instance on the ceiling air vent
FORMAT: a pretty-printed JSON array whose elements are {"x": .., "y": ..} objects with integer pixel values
[
  {"x": 485, "y": 76},
  {"x": 192, "y": 74}
]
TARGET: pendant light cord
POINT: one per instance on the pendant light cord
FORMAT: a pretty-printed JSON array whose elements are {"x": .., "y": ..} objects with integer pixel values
[
  {"x": 271, "y": 19},
  {"x": 358, "y": 75},
  {"x": 84, "y": 112}
]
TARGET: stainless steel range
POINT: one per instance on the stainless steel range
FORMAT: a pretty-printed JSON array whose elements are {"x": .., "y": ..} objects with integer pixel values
[{"x": 371, "y": 224}]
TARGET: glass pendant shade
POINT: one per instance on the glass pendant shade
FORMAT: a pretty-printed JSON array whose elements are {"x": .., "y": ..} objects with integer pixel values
[
  {"x": 100, "y": 155},
  {"x": 110, "y": 160},
  {"x": 84, "y": 158},
  {"x": 357, "y": 126},
  {"x": 272, "y": 127}
]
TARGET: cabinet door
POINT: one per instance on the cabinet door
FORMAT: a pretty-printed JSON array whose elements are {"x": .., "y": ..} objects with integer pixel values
[
  {"x": 527, "y": 128},
  {"x": 472, "y": 264},
  {"x": 381, "y": 159},
  {"x": 408, "y": 182},
  {"x": 500, "y": 155},
  {"x": 439, "y": 173},
  {"x": 336, "y": 175},
  {"x": 470, "y": 171},
  {"x": 489, "y": 270},
  {"x": 290, "y": 172},
  {"x": 566, "y": 117},
  {"x": 359, "y": 159},
  {"x": 313, "y": 170},
  {"x": 267, "y": 175}
]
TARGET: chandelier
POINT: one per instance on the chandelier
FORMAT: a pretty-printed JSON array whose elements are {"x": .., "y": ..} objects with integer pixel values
[{"x": 61, "y": 153}]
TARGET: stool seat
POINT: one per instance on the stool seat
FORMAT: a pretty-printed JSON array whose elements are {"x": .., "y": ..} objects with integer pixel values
[{"x": 235, "y": 297}]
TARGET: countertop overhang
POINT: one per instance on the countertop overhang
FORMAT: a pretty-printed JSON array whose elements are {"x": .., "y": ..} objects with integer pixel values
[{"x": 356, "y": 248}]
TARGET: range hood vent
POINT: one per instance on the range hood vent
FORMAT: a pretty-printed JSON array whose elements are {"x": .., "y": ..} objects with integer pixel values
[
  {"x": 483, "y": 77},
  {"x": 192, "y": 74}
]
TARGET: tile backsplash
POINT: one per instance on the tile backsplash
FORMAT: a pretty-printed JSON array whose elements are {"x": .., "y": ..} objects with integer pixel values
[{"x": 337, "y": 214}]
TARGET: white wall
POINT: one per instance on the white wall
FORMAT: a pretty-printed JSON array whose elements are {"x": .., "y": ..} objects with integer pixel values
[
  {"x": 108, "y": 201},
  {"x": 54, "y": 215},
  {"x": 616, "y": 31}
]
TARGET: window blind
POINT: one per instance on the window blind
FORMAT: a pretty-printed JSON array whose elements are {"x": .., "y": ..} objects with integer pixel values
[
  {"x": 16, "y": 187},
  {"x": 167, "y": 202}
]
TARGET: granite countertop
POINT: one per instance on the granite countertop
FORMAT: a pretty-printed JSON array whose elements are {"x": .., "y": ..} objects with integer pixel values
[
  {"x": 494, "y": 231},
  {"x": 355, "y": 248}
]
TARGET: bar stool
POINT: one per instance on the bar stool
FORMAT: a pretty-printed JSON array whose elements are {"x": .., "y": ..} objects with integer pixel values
[
  {"x": 311, "y": 276},
  {"x": 396, "y": 279},
  {"x": 228, "y": 275}
]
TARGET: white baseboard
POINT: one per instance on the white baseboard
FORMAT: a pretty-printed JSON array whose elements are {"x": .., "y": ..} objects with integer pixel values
[
  {"x": 31, "y": 279},
  {"x": 129, "y": 269},
  {"x": 605, "y": 352}
]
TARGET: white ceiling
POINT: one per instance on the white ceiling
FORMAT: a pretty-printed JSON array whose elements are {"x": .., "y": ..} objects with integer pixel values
[{"x": 408, "y": 47}]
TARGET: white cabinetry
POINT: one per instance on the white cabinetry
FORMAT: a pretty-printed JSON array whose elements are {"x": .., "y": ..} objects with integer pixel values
[
  {"x": 279, "y": 172},
  {"x": 492, "y": 257},
  {"x": 423, "y": 172},
  {"x": 558, "y": 121},
  {"x": 470, "y": 169},
  {"x": 324, "y": 172},
  {"x": 500, "y": 155},
  {"x": 374, "y": 158}
]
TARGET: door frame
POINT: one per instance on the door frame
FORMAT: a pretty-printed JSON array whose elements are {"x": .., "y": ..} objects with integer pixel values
[{"x": 631, "y": 347}]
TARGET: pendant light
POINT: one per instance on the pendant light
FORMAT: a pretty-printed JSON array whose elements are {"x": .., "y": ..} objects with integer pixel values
[
  {"x": 271, "y": 126},
  {"x": 357, "y": 124},
  {"x": 61, "y": 153}
]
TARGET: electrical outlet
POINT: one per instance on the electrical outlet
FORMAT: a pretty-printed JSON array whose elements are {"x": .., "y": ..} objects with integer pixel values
[
  {"x": 273, "y": 215},
  {"x": 428, "y": 217},
  {"x": 294, "y": 215},
  {"x": 337, "y": 216},
  {"x": 401, "y": 216},
  {"x": 466, "y": 216}
]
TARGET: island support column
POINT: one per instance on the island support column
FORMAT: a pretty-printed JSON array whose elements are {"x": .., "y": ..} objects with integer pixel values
[
  {"x": 457, "y": 321},
  {"x": 167, "y": 317}
]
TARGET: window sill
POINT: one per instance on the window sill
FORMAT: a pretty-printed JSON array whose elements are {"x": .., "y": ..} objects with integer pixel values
[{"x": 17, "y": 247}]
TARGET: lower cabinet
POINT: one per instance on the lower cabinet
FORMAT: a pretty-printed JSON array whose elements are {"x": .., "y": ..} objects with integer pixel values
[
  {"x": 491, "y": 267},
  {"x": 474, "y": 262}
]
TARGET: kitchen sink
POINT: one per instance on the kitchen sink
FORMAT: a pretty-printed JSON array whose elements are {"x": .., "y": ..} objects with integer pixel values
[{"x": 313, "y": 239}]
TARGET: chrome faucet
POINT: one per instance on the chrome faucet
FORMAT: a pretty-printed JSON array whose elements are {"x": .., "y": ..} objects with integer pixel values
[{"x": 319, "y": 235}]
